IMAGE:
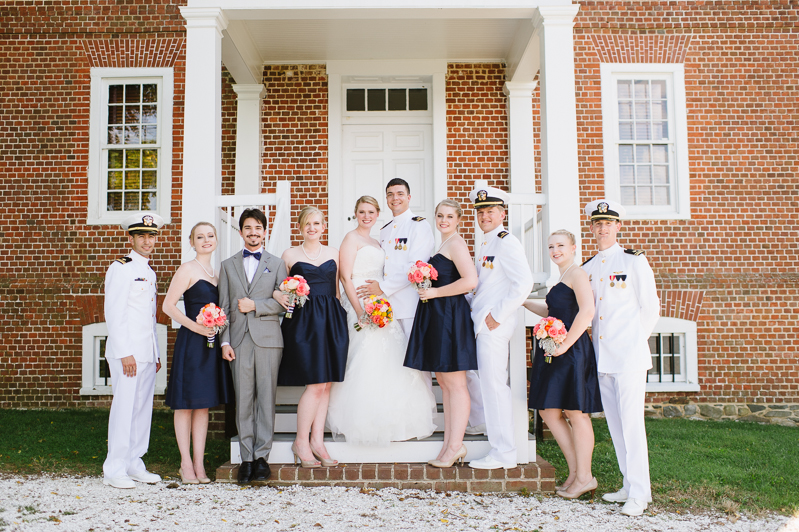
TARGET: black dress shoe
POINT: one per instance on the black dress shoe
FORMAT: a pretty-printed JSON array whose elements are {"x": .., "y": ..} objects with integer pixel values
[
  {"x": 245, "y": 472},
  {"x": 260, "y": 471}
]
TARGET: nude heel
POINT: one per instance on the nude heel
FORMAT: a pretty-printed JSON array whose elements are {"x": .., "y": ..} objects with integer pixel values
[{"x": 308, "y": 464}]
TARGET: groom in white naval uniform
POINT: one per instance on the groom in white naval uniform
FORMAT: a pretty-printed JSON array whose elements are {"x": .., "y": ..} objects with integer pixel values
[
  {"x": 132, "y": 353},
  {"x": 504, "y": 281},
  {"x": 627, "y": 308},
  {"x": 405, "y": 239}
]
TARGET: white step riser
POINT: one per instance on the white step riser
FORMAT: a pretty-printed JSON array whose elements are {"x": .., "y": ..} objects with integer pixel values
[{"x": 287, "y": 423}]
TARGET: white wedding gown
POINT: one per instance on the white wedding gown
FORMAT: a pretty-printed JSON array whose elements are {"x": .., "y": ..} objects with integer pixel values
[{"x": 380, "y": 400}]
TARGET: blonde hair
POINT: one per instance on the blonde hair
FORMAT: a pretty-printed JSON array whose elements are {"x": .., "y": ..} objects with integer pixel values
[
  {"x": 567, "y": 234},
  {"x": 306, "y": 213},
  {"x": 200, "y": 224},
  {"x": 367, "y": 199},
  {"x": 450, "y": 203}
]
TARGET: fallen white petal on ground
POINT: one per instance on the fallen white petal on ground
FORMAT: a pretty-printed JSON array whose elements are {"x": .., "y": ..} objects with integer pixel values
[{"x": 85, "y": 504}]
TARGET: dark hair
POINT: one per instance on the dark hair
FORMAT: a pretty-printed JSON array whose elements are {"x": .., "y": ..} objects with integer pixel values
[
  {"x": 255, "y": 214},
  {"x": 398, "y": 181}
]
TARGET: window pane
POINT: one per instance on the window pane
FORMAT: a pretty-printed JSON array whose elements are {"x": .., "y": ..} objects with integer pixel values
[
  {"x": 417, "y": 99},
  {"x": 653, "y": 347},
  {"x": 628, "y": 195},
  {"x": 150, "y": 93},
  {"x": 642, "y": 154},
  {"x": 115, "y": 93},
  {"x": 149, "y": 159},
  {"x": 660, "y": 130},
  {"x": 148, "y": 201},
  {"x": 662, "y": 196},
  {"x": 625, "y": 110},
  {"x": 115, "y": 135},
  {"x": 642, "y": 110},
  {"x": 356, "y": 99},
  {"x": 131, "y": 135},
  {"x": 644, "y": 196},
  {"x": 132, "y": 180},
  {"x": 660, "y": 174},
  {"x": 132, "y": 158},
  {"x": 659, "y": 110},
  {"x": 642, "y": 131},
  {"x": 641, "y": 89},
  {"x": 396, "y": 100},
  {"x": 132, "y": 93},
  {"x": 659, "y": 89},
  {"x": 132, "y": 114},
  {"x": 677, "y": 365},
  {"x": 149, "y": 134},
  {"x": 376, "y": 99},
  {"x": 115, "y": 158},
  {"x": 626, "y": 153},
  {"x": 132, "y": 201},
  {"x": 666, "y": 365},
  {"x": 115, "y": 200},
  {"x": 115, "y": 180},
  {"x": 149, "y": 114},
  {"x": 644, "y": 175},
  {"x": 660, "y": 154},
  {"x": 115, "y": 114},
  {"x": 623, "y": 88},
  {"x": 627, "y": 174},
  {"x": 149, "y": 179},
  {"x": 625, "y": 130}
]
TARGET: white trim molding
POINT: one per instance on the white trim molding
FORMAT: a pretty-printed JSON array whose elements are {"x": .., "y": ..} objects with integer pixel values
[
  {"x": 679, "y": 177},
  {"x": 688, "y": 330}
]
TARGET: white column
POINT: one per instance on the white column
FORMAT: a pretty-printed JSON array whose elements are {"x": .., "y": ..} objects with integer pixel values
[
  {"x": 520, "y": 136},
  {"x": 559, "y": 170},
  {"x": 248, "y": 138},
  {"x": 202, "y": 124}
]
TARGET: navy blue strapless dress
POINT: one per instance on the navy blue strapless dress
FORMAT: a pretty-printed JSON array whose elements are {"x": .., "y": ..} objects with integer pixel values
[
  {"x": 570, "y": 381},
  {"x": 199, "y": 376},
  {"x": 442, "y": 338},
  {"x": 315, "y": 339}
]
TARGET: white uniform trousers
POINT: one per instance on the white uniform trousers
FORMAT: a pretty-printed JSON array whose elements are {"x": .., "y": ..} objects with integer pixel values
[
  {"x": 130, "y": 419},
  {"x": 489, "y": 388},
  {"x": 406, "y": 324},
  {"x": 623, "y": 397}
]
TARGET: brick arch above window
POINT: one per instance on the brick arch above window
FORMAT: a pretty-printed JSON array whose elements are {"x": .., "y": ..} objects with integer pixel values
[
  {"x": 681, "y": 304},
  {"x": 133, "y": 53},
  {"x": 641, "y": 48}
]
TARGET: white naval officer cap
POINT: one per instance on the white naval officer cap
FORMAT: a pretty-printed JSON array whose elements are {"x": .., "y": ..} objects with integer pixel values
[
  {"x": 605, "y": 209},
  {"x": 488, "y": 197},
  {"x": 143, "y": 222}
]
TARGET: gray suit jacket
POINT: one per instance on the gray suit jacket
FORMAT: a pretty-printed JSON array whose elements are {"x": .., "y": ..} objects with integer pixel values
[{"x": 263, "y": 324}]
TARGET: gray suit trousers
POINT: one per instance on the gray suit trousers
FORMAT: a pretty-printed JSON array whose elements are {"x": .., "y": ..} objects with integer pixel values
[{"x": 255, "y": 378}]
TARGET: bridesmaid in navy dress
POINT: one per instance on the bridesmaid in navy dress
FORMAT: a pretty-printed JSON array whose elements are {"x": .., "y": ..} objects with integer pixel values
[
  {"x": 570, "y": 381},
  {"x": 442, "y": 339},
  {"x": 199, "y": 379},
  {"x": 315, "y": 339}
]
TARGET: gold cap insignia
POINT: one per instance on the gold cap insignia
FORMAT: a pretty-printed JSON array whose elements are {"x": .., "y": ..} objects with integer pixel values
[
  {"x": 482, "y": 195},
  {"x": 602, "y": 207},
  {"x": 147, "y": 220}
]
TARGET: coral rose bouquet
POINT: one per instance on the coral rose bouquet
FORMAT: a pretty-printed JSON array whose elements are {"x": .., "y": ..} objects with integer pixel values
[
  {"x": 377, "y": 314},
  {"x": 212, "y": 316},
  {"x": 297, "y": 289},
  {"x": 550, "y": 333},
  {"x": 422, "y": 275}
]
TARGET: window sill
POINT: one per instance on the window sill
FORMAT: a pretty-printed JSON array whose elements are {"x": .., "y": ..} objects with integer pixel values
[
  {"x": 97, "y": 390},
  {"x": 649, "y": 215},
  {"x": 653, "y": 387}
]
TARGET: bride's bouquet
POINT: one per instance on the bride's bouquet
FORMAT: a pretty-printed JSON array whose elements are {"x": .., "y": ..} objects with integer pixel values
[
  {"x": 377, "y": 314},
  {"x": 297, "y": 289},
  {"x": 212, "y": 316},
  {"x": 421, "y": 275},
  {"x": 550, "y": 333}
]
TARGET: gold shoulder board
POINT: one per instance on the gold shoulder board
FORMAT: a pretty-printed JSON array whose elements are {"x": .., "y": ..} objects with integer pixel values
[
  {"x": 124, "y": 260},
  {"x": 635, "y": 252},
  {"x": 418, "y": 218},
  {"x": 389, "y": 223},
  {"x": 586, "y": 261},
  {"x": 503, "y": 234}
]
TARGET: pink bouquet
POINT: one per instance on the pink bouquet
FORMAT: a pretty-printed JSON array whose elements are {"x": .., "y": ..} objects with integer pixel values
[
  {"x": 422, "y": 274},
  {"x": 297, "y": 289},
  {"x": 377, "y": 314},
  {"x": 212, "y": 316},
  {"x": 550, "y": 333}
]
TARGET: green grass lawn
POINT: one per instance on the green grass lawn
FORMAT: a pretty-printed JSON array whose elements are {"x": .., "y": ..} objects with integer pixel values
[
  {"x": 695, "y": 465},
  {"x": 722, "y": 465}
]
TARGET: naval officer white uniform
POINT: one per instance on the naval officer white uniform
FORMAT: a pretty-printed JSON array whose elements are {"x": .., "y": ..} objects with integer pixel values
[
  {"x": 504, "y": 282},
  {"x": 405, "y": 239},
  {"x": 132, "y": 354},
  {"x": 627, "y": 308}
]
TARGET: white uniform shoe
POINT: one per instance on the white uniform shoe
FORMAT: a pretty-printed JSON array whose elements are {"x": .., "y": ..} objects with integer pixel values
[
  {"x": 489, "y": 463},
  {"x": 617, "y": 496},
  {"x": 146, "y": 477},
  {"x": 119, "y": 482},
  {"x": 479, "y": 429},
  {"x": 633, "y": 507}
]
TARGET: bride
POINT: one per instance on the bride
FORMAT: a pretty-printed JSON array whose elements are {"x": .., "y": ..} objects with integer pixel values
[{"x": 380, "y": 400}]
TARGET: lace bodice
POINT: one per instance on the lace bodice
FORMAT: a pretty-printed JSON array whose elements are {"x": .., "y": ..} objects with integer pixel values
[{"x": 368, "y": 264}]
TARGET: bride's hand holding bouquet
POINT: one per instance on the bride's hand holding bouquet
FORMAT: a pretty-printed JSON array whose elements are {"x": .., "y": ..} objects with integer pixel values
[{"x": 377, "y": 314}]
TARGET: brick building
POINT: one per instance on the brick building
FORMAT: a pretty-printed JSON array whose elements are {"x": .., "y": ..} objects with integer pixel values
[{"x": 686, "y": 112}]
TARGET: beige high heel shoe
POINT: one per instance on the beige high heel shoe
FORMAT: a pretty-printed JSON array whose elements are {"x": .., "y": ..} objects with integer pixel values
[
  {"x": 591, "y": 486},
  {"x": 457, "y": 457},
  {"x": 187, "y": 480},
  {"x": 326, "y": 462},
  {"x": 308, "y": 464}
]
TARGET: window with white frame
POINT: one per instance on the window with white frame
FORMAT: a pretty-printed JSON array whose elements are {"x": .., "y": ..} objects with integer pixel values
[
  {"x": 673, "y": 345},
  {"x": 645, "y": 139},
  {"x": 130, "y": 143},
  {"x": 96, "y": 378}
]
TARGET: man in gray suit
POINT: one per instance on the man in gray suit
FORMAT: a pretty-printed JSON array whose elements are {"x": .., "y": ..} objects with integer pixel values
[{"x": 253, "y": 342}]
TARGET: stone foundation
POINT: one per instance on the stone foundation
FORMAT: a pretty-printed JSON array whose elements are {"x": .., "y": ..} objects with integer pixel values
[{"x": 776, "y": 414}]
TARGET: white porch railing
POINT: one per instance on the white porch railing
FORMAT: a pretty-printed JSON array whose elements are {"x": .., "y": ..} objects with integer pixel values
[{"x": 276, "y": 207}]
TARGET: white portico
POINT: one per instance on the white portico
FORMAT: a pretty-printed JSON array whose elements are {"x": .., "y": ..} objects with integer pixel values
[{"x": 384, "y": 44}]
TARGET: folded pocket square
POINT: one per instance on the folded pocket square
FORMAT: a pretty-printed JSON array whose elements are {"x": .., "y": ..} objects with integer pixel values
[{"x": 266, "y": 270}]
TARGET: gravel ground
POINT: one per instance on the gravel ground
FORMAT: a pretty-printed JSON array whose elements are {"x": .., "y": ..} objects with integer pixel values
[{"x": 85, "y": 504}]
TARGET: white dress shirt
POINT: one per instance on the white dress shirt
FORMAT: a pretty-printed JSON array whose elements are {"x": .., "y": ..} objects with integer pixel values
[{"x": 251, "y": 264}]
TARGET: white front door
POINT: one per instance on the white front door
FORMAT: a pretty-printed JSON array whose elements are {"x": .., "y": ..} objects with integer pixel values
[{"x": 373, "y": 155}]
